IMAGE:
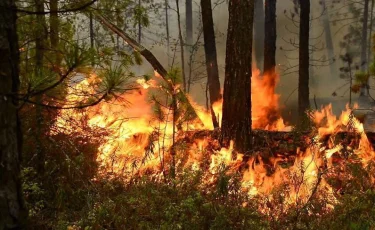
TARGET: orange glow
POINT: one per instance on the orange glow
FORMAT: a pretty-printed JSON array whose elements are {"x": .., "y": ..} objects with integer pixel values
[{"x": 140, "y": 142}]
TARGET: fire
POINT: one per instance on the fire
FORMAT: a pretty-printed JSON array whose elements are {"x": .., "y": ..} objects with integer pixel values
[
  {"x": 140, "y": 142},
  {"x": 265, "y": 110}
]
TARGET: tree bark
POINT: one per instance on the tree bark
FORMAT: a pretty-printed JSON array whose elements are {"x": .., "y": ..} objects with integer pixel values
[
  {"x": 329, "y": 41},
  {"x": 189, "y": 22},
  {"x": 259, "y": 34},
  {"x": 369, "y": 58},
  {"x": 189, "y": 41},
  {"x": 181, "y": 46},
  {"x": 139, "y": 24},
  {"x": 270, "y": 40},
  {"x": 303, "y": 81},
  {"x": 236, "y": 121},
  {"x": 211, "y": 57},
  {"x": 364, "y": 64},
  {"x": 167, "y": 29},
  {"x": 270, "y": 53},
  {"x": 54, "y": 30},
  {"x": 40, "y": 48},
  {"x": 12, "y": 210},
  {"x": 92, "y": 35}
]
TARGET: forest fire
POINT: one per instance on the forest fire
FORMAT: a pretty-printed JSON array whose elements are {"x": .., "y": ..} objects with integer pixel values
[
  {"x": 89, "y": 140},
  {"x": 140, "y": 142}
]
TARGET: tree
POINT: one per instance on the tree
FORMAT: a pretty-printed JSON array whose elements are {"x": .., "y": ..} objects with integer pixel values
[
  {"x": 303, "y": 80},
  {"x": 269, "y": 63},
  {"x": 12, "y": 211},
  {"x": 167, "y": 28},
  {"x": 40, "y": 49},
  {"x": 236, "y": 121},
  {"x": 258, "y": 37},
  {"x": 181, "y": 41},
  {"x": 55, "y": 29},
  {"x": 270, "y": 39},
  {"x": 211, "y": 57},
  {"x": 329, "y": 40},
  {"x": 364, "y": 47},
  {"x": 189, "y": 22}
]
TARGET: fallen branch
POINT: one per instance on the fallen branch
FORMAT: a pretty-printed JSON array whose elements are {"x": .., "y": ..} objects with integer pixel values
[{"x": 158, "y": 67}]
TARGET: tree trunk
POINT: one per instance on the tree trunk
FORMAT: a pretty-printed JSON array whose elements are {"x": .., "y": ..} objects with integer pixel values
[
  {"x": 189, "y": 41},
  {"x": 12, "y": 211},
  {"x": 369, "y": 58},
  {"x": 167, "y": 29},
  {"x": 236, "y": 121},
  {"x": 303, "y": 81},
  {"x": 329, "y": 41},
  {"x": 364, "y": 47},
  {"x": 92, "y": 41},
  {"x": 189, "y": 22},
  {"x": 139, "y": 24},
  {"x": 211, "y": 57},
  {"x": 54, "y": 30},
  {"x": 270, "y": 40},
  {"x": 270, "y": 52},
  {"x": 259, "y": 34},
  {"x": 181, "y": 46},
  {"x": 40, "y": 47}
]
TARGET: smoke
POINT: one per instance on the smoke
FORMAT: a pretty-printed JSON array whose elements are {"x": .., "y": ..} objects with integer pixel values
[{"x": 322, "y": 83}]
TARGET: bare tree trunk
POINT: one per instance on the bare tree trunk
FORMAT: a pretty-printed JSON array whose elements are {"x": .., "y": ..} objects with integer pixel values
[
  {"x": 189, "y": 22},
  {"x": 211, "y": 57},
  {"x": 364, "y": 64},
  {"x": 312, "y": 80},
  {"x": 55, "y": 30},
  {"x": 167, "y": 28},
  {"x": 329, "y": 41},
  {"x": 270, "y": 40},
  {"x": 92, "y": 41},
  {"x": 181, "y": 46},
  {"x": 189, "y": 40},
  {"x": 303, "y": 82},
  {"x": 369, "y": 58},
  {"x": 190, "y": 69},
  {"x": 12, "y": 210},
  {"x": 270, "y": 51},
  {"x": 92, "y": 34},
  {"x": 236, "y": 120},
  {"x": 139, "y": 24},
  {"x": 258, "y": 38},
  {"x": 174, "y": 121},
  {"x": 40, "y": 47}
]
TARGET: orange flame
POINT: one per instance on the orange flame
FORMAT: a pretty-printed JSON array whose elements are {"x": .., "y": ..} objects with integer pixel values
[{"x": 134, "y": 130}]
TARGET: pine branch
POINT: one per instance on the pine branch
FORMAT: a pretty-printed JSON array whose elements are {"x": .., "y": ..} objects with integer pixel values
[{"x": 158, "y": 67}]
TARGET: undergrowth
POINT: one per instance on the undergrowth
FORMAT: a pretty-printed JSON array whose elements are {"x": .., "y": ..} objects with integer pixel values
[
  {"x": 71, "y": 194},
  {"x": 187, "y": 203}
]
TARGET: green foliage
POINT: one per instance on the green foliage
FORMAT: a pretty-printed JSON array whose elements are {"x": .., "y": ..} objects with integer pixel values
[
  {"x": 174, "y": 75},
  {"x": 76, "y": 55},
  {"x": 361, "y": 78},
  {"x": 140, "y": 16},
  {"x": 115, "y": 79}
]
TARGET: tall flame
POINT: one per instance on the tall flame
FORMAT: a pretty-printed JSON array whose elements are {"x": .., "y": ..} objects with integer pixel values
[{"x": 140, "y": 143}]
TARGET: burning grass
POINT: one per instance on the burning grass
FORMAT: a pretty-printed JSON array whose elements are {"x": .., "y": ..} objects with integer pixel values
[{"x": 292, "y": 179}]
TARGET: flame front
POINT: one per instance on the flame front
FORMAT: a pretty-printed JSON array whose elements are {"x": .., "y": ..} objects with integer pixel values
[{"x": 138, "y": 143}]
